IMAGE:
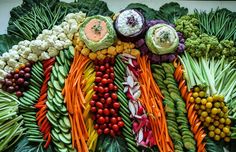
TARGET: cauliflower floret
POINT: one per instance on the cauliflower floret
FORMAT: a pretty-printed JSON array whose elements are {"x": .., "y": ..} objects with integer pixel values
[
  {"x": 67, "y": 43},
  {"x": 22, "y": 61},
  {"x": 2, "y": 74},
  {"x": 40, "y": 37},
  {"x": 62, "y": 36},
  {"x": 14, "y": 54},
  {"x": 80, "y": 17},
  {"x": 58, "y": 44},
  {"x": 32, "y": 57},
  {"x": 24, "y": 43},
  {"x": 8, "y": 69},
  {"x": 47, "y": 32},
  {"x": 51, "y": 39},
  {"x": 6, "y": 56},
  {"x": 12, "y": 63},
  {"x": 52, "y": 51},
  {"x": 69, "y": 16},
  {"x": 15, "y": 47},
  {"x": 57, "y": 30},
  {"x": 44, "y": 56},
  {"x": 2, "y": 64},
  {"x": 70, "y": 36}
]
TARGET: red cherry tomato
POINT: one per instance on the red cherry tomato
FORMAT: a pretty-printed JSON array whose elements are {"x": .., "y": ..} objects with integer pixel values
[
  {"x": 116, "y": 105},
  {"x": 100, "y": 89},
  {"x": 114, "y": 96},
  {"x": 99, "y": 105},
  {"x": 98, "y": 74},
  {"x": 107, "y": 119},
  {"x": 93, "y": 109},
  {"x": 112, "y": 76},
  {"x": 106, "y": 89},
  {"x": 115, "y": 88},
  {"x": 102, "y": 68},
  {"x": 113, "y": 120},
  {"x": 111, "y": 69},
  {"x": 106, "y": 131},
  {"x": 107, "y": 65},
  {"x": 98, "y": 79},
  {"x": 105, "y": 76},
  {"x": 111, "y": 86},
  {"x": 95, "y": 88},
  {"x": 100, "y": 111},
  {"x": 102, "y": 100},
  {"x": 106, "y": 111},
  {"x": 99, "y": 131},
  {"x": 96, "y": 126},
  {"x": 121, "y": 124},
  {"x": 112, "y": 111},
  {"x": 101, "y": 120},
  {"x": 112, "y": 133},
  {"x": 96, "y": 68},
  {"x": 94, "y": 97},
  {"x": 115, "y": 127},
  {"x": 119, "y": 118},
  {"x": 108, "y": 100},
  {"x": 106, "y": 95},
  {"x": 104, "y": 81}
]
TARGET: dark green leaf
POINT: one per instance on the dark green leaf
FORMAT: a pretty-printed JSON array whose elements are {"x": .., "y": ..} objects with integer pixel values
[
  {"x": 172, "y": 11},
  {"x": 212, "y": 146},
  {"x": 7, "y": 41}
]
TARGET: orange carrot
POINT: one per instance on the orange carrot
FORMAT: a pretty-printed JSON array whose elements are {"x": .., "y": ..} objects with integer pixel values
[
  {"x": 75, "y": 100},
  {"x": 151, "y": 99}
]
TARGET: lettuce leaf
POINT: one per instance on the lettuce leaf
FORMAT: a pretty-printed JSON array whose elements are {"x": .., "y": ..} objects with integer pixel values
[{"x": 7, "y": 41}]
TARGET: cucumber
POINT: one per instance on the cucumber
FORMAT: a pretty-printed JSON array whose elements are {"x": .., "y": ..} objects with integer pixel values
[
  {"x": 63, "y": 139},
  {"x": 57, "y": 86},
  {"x": 62, "y": 57},
  {"x": 59, "y": 60}
]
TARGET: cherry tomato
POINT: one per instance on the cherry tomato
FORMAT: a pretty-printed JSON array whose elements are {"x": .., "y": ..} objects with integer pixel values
[
  {"x": 115, "y": 88},
  {"x": 96, "y": 68},
  {"x": 106, "y": 95},
  {"x": 93, "y": 117},
  {"x": 112, "y": 76},
  {"x": 100, "y": 95},
  {"x": 99, "y": 131},
  {"x": 114, "y": 96},
  {"x": 106, "y": 131},
  {"x": 107, "y": 119},
  {"x": 92, "y": 102},
  {"x": 106, "y": 111},
  {"x": 102, "y": 100},
  {"x": 110, "y": 125},
  {"x": 98, "y": 79},
  {"x": 108, "y": 101},
  {"x": 121, "y": 124},
  {"x": 116, "y": 105},
  {"x": 108, "y": 71},
  {"x": 98, "y": 116},
  {"x": 111, "y": 86},
  {"x": 104, "y": 81},
  {"x": 100, "y": 89},
  {"x": 95, "y": 88},
  {"x": 100, "y": 111},
  {"x": 102, "y": 68},
  {"x": 107, "y": 65},
  {"x": 99, "y": 105},
  {"x": 113, "y": 120},
  {"x": 93, "y": 109},
  {"x": 115, "y": 127},
  {"x": 94, "y": 97},
  {"x": 109, "y": 81},
  {"x": 106, "y": 89},
  {"x": 103, "y": 126},
  {"x": 111, "y": 69},
  {"x": 119, "y": 118},
  {"x": 96, "y": 126},
  {"x": 105, "y": 76},
  {"x": 98, "y": 74},
  {"x": 112, "y": 133},
  {"x": 112, "y": 111},
  {"x": 101, "y": 120},
  {"x": 100, "y": 84}
]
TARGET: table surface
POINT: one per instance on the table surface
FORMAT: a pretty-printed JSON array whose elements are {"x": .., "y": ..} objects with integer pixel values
[{"x": 116, "y": 5}]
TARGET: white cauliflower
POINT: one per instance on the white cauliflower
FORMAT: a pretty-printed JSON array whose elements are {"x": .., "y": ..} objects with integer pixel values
[
  {"x": 2, "y": 64},
  {"x": 32, "y": 57},
  {"x": 52, "y": 51},
  {"x": 12, "y": 63},
  {"x": 14, "y": 54},
  {"x": 70, "y": 36},
  {"x": 62, "y": 36},
  {"x": 57, "y": 30},
  {"x": 58, "y": 45},
  {"x": 44, "y": 56},
  {"x": 47, "y": 32},
  {"x": 80, "y": 17},
  {"x": 8, "y": 69},
  {"x": 24, "y": 43},
  {"x": 69, "y": 16},
  {"x": 15, "y": 47},
  {"x": 2, "y": 74},
  {"x": 67, "y": 43},
  {"x": 22, "y": 61},
  {"x": 6, "y": 56}
]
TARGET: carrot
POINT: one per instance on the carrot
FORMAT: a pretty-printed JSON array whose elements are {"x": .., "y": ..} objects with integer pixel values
[
  {"x": 75, "y": 102},
  {"x": 151, "y": 99},
  {"x": 195, "y": 123}
]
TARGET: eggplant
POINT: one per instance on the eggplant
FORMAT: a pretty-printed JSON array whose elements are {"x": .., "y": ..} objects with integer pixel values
[{"x": 131, "y": 21}]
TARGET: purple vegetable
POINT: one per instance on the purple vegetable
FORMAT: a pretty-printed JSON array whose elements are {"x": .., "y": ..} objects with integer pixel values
[
  {"x": 139, "y": 43},
  {"x": 155, "y": 58}
]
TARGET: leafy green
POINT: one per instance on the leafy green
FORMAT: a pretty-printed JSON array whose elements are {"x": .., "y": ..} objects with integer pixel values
[
  {"x": 212, "y": 146},
  {"x": 110, "y": 144},
  {"x": 23, "y": 145},
  {"x": 7, "y": 41},
  {"x": 148, "y": 12},
  {"x": 170, "y": 12}
]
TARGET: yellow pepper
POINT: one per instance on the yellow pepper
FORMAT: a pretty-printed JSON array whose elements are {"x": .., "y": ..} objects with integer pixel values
[
  {"x": 85, "y": 51},
  {"x": 92, "y": 56},
  {"x": 112, "y": 50}
]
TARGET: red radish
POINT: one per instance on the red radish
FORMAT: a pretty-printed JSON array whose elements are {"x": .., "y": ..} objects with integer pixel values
[
  {"x": 113, "y": 120},
  {"x": 111, "y": 86},
  {"x": 94, "y": 97},
  {"x": 108, "y": 101},
  {"x": 99, "y": 105}
]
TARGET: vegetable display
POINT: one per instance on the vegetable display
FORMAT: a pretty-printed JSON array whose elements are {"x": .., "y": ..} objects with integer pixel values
[{"x": 77, "y": 77}]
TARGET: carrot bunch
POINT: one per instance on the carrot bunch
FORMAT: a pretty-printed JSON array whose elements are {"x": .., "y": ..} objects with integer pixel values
[
  {"x": 75, "y": 102},
  {"x": 42, "y": 120},
  {"x": 195, "y": 123},
  {"x": 151, "y": 99}
]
